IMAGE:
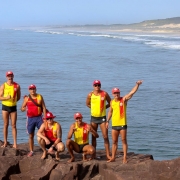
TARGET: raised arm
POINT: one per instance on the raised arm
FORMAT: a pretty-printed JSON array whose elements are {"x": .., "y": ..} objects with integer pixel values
[
  {"x": 88, "y": 100},
  {"x": 133, "y": 91}
]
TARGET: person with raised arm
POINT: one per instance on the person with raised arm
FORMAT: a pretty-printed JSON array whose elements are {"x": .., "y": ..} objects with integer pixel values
[
  {"x": 10, "y": 93},
  {"x": 119, "y": 122},
  {"x": 80, "y": 144}
]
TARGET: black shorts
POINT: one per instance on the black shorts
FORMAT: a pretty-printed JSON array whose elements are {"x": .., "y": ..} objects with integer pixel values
[
  {"x": 98, "y": 120},
  {"x": 119, "y": 127},
  {"x": 9, "y": 109},
  {"x": 81, "y": 147},
  {"x": 49, "y": 145}
]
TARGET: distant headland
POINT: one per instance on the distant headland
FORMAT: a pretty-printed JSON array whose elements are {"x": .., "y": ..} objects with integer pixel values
[{"x": 169, "y": 25}]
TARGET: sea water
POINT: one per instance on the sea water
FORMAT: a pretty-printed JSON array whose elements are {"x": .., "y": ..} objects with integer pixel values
[{"x": 63, "y": 64}]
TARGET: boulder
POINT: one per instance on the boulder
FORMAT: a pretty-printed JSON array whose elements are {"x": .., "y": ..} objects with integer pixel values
[{"x": 15, "y": 165}]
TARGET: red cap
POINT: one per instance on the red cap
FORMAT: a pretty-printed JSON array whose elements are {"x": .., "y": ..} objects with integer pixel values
[
  {"x": 78, "y": 115},
  {"x": 96, "y": 82},
  {"x": 49, "y": 115},
  {"x": 32, "y": 86},
  {"x": 114, "y": 90},
  {"x": 9, "y": 73}
]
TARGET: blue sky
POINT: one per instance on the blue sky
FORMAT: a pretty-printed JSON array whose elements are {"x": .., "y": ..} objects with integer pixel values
[{"x": 15, "y": 13}]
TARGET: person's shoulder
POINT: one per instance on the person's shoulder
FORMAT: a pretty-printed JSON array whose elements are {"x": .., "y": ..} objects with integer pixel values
[
  {"x": 2, "y": 85},
  {"x": 73, "y": 125},
  {"x": 90, "y": 94}
]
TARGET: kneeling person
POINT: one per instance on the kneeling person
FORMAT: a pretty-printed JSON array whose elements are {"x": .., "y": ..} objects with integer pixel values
[
  {"x": 49, "y": 136},
  {"x": 80, "y": 144}
]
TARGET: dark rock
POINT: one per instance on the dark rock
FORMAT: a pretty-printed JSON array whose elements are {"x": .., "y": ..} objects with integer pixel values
[{"x": 15, "y": 165}]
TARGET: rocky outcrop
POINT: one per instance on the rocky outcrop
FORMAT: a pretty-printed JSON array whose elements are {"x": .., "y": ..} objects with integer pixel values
[{"x": 15, "y": 165}]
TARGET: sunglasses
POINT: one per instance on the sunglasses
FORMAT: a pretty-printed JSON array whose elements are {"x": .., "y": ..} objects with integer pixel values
[
  {"x": 49, "y": 119},
  {"x": 78, "y": 118},
  {"x": 32, "y": 89},
  {"x": 95, "y": 85}
]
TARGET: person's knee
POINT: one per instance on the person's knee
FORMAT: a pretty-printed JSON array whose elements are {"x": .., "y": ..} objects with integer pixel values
[
  {"x": 31, "y": 136},
  {"x": 61, "y": 147},
  {"x": 91, "y": 150},
  {"x": 124, "y": 141},
  {"x": 106, "y": 139},
  {"x": 13, "y": 126},
  {"x": 6, "y": 124},
  {"x": 114, "y": 142}
]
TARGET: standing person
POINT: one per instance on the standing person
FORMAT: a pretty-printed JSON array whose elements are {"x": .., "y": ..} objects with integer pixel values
[
  {"x": 35, "y": 107},
  {"x": 80, "y": 144},
  {"x": 119, "y": 122},
  {"x": 96, "y": 101},
  {"x": 10, "y": 93},
  {"x": 50, "y": 136}
]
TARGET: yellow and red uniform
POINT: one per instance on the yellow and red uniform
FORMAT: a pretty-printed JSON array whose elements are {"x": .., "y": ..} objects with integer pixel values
[
  {"x": 119, "y": 112},
  {"x": 32, "y": 109},
  {"x": 51, "y": 134},
  {"x": 12, "y": 91},
  {"x": 81, "y": 135},
  {"x": 98, "y": 104}
]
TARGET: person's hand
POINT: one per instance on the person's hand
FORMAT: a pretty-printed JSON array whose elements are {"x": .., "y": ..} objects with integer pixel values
[
  {"x": 25, "y": 96},
  {"x": 8, "y": 97},
  {"x": 50, "y": 150},
  {"x": 107, "y": 124},
  {"x": 139, "y": 82}
]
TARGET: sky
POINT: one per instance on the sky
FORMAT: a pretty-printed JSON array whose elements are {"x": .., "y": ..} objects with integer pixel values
[{"x": 14, "y": 13}]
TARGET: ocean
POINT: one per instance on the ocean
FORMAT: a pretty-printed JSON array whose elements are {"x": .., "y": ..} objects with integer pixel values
[{"x": 64, "y": 63}]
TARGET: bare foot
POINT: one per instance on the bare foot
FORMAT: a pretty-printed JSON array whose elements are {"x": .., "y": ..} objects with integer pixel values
[
  {"x": 71, "y": 160},
  {"x": 44, "y": 155},
  {"x": 109, "y": 157},
  {"x": 111, "y": 160},
  {"x": 15, "y": 146},
  {"x": 124, "y": 161},
  {"x": 4, "y": 145},
  {"x": 57, "y": 156}
]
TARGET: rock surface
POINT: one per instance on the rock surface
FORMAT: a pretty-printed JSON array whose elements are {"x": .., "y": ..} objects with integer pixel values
[{"x": 15, "y": 165}]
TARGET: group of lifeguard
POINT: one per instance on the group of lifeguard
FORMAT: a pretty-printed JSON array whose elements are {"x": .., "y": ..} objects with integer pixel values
[{"x": 49, "y": 133}]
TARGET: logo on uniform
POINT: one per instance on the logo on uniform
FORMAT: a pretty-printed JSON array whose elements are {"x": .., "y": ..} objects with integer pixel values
[
  {"x": 15, "y": 89},
  {"x": 85, "y": 131},
  {"x": 121, "y": 104},
  {"x": 103, "y": 119},
  {"x": 102, "y": 98}
]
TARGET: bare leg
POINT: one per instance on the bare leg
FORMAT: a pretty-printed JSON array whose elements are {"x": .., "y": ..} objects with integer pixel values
[
  {"x": 60, "y": 148},
  {"x": 106, "y": 139},
  {"x": 95, "y": 127},
  {"x": 88, "y": 150},
  {"x": 71, "y": 145},
  {"x": 31, "y": 141},
  {"x": 123, "y": 133},
  {"x": 115, "y": 135},
  {"x": 43, "y": 147},
  {"x": 5, "y": 116},
  {"x": 13, "y": 116}
]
